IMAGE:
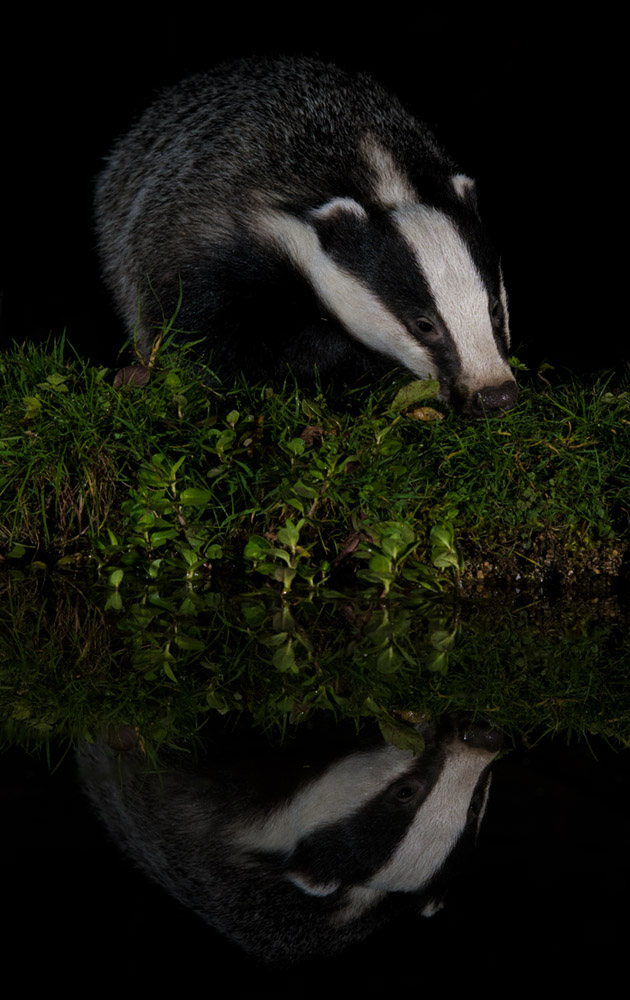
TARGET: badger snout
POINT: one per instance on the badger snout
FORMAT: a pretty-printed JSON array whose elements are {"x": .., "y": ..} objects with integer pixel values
[
  {"x": 463, "y": 728},
  {"x": 482, "y": 736},
  {"x": 495, "y": 397},
  {"x": 489, "y": 401}
]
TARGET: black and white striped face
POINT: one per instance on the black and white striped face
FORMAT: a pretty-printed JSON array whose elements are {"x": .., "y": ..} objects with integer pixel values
[
  {"x": 410, "y": 283},
  {"x": 380, "y": 821}
]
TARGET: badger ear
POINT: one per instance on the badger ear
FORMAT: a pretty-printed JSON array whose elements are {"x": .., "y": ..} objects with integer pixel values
[
  {"x": 432, "y": 907},
  {"x": 310, "y": 886},
  {"x": 465, "y": 189},
  {"x": 340, "y": 225},
  {"x": 338, "y": 209}
]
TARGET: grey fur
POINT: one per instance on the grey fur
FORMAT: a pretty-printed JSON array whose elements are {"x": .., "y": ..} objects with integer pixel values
[{"x": 295, "y": 203}]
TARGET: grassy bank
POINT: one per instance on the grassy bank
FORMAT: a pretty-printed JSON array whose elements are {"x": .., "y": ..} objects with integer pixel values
[{"x": 174, "y": 477}]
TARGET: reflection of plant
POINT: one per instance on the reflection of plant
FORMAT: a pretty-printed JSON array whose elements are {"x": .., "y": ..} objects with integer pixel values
[
  {"x": 396, "y": 636},
  {"x": 441, "y": 642},
  {"x": 385, "y": 633},
  {"x": 173, "y": 654}
]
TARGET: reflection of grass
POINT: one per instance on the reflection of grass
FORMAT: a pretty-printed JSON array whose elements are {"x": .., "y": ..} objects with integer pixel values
[
  {"x": 280, "y": 551},
  {"x": 171, "y": 657}
]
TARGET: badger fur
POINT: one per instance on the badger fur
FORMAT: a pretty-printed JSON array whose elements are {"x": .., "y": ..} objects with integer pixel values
[
  {"x": 308, "y": 222},
  {"x": 299, "y": 851}
]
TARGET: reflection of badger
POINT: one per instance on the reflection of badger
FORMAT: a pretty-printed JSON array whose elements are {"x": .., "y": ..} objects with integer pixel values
[
  {"x": 301, "y": 853},
  {"x": 311, "y": 222}
]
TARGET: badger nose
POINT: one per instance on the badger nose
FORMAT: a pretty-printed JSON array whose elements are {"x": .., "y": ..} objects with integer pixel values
[
  {"x": 483, "y": 737},
  {"x": 494, "y": 397},
  {"x": 478, "y": 734}
]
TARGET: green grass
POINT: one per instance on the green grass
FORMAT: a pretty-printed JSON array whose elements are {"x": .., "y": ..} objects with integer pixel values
[
  {"x": 139, "y": 477},
  {"x": 182, "y": 547}
]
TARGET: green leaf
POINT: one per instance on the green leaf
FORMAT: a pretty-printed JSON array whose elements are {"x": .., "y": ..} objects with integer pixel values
[
  {"x": 215, "y": 701},
  {"x": 446, "y": 560},
  {"x": 168, "y": 670},
  {"x": 33, "y": 406},
  {"x": 389, "y": 661},
  {"x": 188, "y": 642},
  {"x": 195, "y": 497},
  {"x": 284, "y": 660},
  {"x": 159, "y": 537},
  {"x": 225, "y": 440},
  {"x": 393, "y": 544},
  {"x": 442, "y": 640},
  {"x": 257, "y": 548},
  {"x": 114, "y": 602},
  {"x": 303, "y": 490},
  {"x": 437, "y": 662},
  {"x": 400, "y": 735},
  {"x": 191, "y": 557},
  {"x": 290, "y": 534},
  {"x": 254, "y": 614},
  {"x": 380, "y": 564},
  {"x": 295, "y": 446},
  {"x": 442, "y": 534},
  {"x": 415, "y": 392}
]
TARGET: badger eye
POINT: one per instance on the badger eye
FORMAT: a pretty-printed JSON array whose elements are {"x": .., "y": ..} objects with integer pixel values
[
  {"x": 422, "y": 325},
  {"x": 495, "y": 310},
  {"x": 405, "y": 793}
]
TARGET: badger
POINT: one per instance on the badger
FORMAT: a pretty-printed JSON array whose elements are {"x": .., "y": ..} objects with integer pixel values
[
  {"x": 293, "y": 216},
  {"x": 300, "y": 851}
]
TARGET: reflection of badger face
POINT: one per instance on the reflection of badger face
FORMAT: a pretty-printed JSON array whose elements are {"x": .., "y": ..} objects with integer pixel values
[
  {"x": 292, "y": 856},
  {"x": 311, "y": 223}
]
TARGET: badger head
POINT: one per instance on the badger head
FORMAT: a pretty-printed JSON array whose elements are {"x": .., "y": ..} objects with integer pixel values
[
  {"x": 382, "y": 821},
  {"x": 417, "y": 283}
]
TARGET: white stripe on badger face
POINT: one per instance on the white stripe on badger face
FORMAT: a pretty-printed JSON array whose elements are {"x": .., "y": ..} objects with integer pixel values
[
  {"x": 437, "y": 825},
  {"x": 504, "y": 301},
  {"x": 342, "y": 790},
  {"x": 359, "y": 311},
  {"x": 458, "y": 291},
  {"x": 391, "y": 186}
]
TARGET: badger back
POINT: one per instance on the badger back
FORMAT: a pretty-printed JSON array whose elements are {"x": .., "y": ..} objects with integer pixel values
[{"x": 310, "y": 222}]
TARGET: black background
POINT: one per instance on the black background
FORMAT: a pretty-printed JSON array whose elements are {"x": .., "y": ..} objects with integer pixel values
[{"x": 526, "y": 105}]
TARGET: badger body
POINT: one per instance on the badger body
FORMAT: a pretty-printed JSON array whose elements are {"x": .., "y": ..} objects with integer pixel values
[
  {"x": 303, "y": 219},
  {"x": 303, "y": 849}
]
